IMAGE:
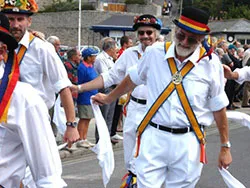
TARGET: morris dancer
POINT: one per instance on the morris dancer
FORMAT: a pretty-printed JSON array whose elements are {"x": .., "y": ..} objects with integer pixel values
[
  {"x": 25, "y": 132},
  {"x": 185, "y": 94}
]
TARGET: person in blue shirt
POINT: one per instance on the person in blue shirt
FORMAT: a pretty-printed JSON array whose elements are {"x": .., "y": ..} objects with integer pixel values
[{"x": 86, "y": 73}]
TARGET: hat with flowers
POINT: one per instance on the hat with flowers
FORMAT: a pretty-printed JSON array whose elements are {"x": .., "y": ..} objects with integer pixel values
[
  {"x": 146, "y": 20},
  {"x": 19, "y": 6}
]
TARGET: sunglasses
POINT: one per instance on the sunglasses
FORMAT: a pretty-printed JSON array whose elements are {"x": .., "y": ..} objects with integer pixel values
[
  {"x": 148, "y": 32},
  {"x": 191, "y": 40}
]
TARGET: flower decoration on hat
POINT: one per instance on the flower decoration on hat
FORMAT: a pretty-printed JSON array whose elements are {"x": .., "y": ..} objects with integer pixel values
[
  {"x": 19, "y": 6},
  {"x": 146, "y": 20},
  {"x": 136, "y": 19}
]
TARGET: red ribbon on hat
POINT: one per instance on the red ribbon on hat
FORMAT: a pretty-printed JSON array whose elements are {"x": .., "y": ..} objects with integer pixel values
[
  {"x": 4, "y": 30},
  {"x": 193, "y": 24}
]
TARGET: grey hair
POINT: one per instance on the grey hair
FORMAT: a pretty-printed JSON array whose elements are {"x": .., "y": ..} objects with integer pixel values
[
  {"x": 219, "y": 51},
  {"x": 108, "y": 43},
  {"x": 71, "y": 53},
  {"x": 52, "y": 39}
]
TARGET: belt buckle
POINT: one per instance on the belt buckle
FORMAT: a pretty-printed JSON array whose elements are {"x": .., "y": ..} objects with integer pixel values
[{"x": 188, "y": 129}]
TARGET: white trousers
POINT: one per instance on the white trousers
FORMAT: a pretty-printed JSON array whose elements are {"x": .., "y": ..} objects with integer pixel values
[
  {"x": 135, "y": 113},
  {"x": 172, "y": 160}
]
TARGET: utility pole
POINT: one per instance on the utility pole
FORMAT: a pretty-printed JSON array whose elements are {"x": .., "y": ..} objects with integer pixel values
[
  {"x": 79, "y": 24},
  {"x": 181, "y": 2}
]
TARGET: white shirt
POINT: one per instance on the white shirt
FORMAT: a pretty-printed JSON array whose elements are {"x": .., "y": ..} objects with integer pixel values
[
  {"x": 117, "y": 73},
  {"x": 204, "y": 86},
  {"x": 43, "y": 69},
  {"x": 103, "y": 62},
  {"x": 27, "y": 139},
  {"x": 244, "y": 74}
]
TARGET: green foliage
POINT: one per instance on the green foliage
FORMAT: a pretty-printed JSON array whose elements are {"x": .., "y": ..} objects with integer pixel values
[
  {"x": 141, "y": 2},
  {"x": 238, "y": 12},
  {"x": 58, "y": 6},
  {"x": 224, "y": 9}
]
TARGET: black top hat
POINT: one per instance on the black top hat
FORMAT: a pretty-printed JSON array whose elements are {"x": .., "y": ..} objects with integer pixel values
[
  {"x": 5, "y": 35},
  {"x": 193, "y": 20},
  {"x": 146, "y": 20}
]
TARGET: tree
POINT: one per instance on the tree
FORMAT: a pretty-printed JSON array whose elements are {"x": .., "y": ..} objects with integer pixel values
[{"x": 224, "y": 9}]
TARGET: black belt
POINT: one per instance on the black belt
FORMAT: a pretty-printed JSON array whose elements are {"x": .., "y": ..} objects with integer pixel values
[
  {"x": 140, "y": 101},
  {"x": 171, "y": 130}
]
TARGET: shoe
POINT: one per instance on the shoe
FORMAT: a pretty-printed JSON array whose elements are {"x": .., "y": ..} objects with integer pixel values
[
  {"x": 119, "y": 130},
  {"x": 90, "y": 143},
  {"x": 245, "y": 106},
  {"x": 117, "y": 137},
  {"x": 83, "y": 144},
  {"x": 230, "y": 108},
  {"x": 236, "y": 99},
  {"x": 114, "y": 141},
  {"x": 73, "y": 147},
  {"x": 235, "y": 106}
]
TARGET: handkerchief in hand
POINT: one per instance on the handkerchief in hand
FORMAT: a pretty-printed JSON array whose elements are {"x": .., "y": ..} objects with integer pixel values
[
  {"x": 103, "y": 148},
  {"x": 230, "y": 181}
]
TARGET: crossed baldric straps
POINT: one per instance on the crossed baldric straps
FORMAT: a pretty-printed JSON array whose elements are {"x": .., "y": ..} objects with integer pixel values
[
  {"x": 176, "y": 84},
  {"x": 9, "y": 80}
]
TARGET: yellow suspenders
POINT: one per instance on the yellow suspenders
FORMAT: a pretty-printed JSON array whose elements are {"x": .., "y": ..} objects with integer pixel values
[{"x": 176, "y": 84}]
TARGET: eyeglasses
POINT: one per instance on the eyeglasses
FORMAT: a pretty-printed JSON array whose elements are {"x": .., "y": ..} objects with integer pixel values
[
  {"x": 181, "y": 36},
  {"x": 148, "y": 32}
]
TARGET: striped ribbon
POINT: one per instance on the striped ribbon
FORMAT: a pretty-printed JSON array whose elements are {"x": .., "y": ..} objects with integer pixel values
[{"x": 9, "y": 80}]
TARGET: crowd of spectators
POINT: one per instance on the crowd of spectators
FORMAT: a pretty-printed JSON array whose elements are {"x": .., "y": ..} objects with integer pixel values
[
  {"x": 235, "y": 55},
  {"x": 83, "y": 66}
]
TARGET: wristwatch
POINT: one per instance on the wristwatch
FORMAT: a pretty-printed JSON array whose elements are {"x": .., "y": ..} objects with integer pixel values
[
  {"x": 79, "y": 88},
  {"x": 71, "y": 124},
  {"x": 226, "y": 145}
]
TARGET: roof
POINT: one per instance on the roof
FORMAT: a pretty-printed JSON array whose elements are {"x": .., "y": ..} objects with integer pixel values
[
  {"x": 120, "y": 23},
  {"x": 233, "y": 25}
]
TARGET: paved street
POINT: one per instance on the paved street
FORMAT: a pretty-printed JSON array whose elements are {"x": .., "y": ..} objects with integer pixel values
[{"x": 84, "y": 171}]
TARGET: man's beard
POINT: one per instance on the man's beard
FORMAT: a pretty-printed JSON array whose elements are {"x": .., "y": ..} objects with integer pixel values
[
  {"x": 182, "y": 51},
  {"x": 17, "y": 34}
]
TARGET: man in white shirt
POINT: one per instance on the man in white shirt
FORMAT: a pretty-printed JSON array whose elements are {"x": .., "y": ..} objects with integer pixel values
[
  {"x": 40, "y": 65},
  {"x": 25, "y": 134},
  {"x": 103, "y": 63},
  {"x": 148, "y": 29},
  {"x": 172, "y": 139}
]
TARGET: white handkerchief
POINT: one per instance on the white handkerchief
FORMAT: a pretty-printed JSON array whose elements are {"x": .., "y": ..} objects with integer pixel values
[
  {"x": 103, "y": 148},
  {"x": 59, "y": 117},
  {"x": 240, "y": 117},
  {"x": 230, "y": 181}
]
